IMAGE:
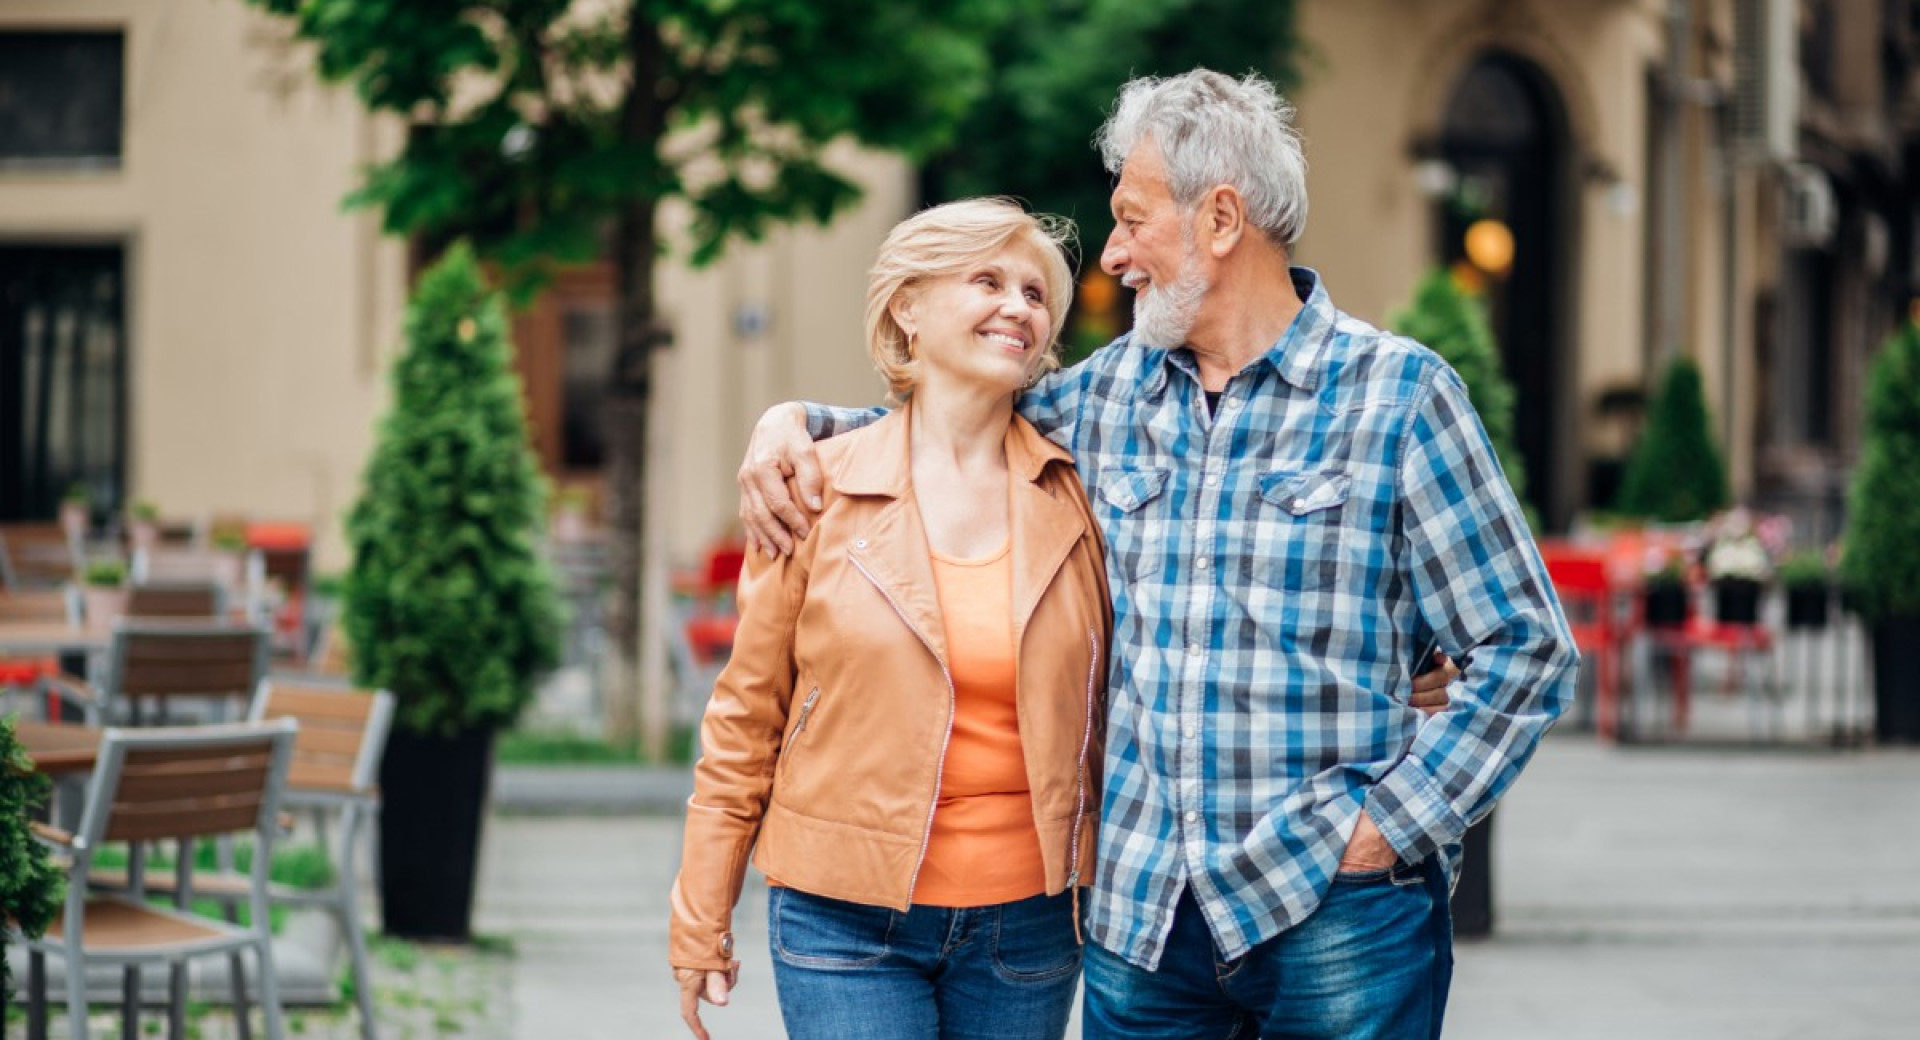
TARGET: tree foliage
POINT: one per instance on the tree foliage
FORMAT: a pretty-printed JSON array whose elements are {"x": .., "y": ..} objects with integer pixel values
[
  {"x": 1454, "y": 325},
  {"x": 1054, "y": 79},
  {"x": 448, "y": 604},
  {"x": 1676, "y": 473},
  {"x": 31, "y": 887},
  {"x": 1882, "y": 559},
  {"x": 535, "y": 121}
]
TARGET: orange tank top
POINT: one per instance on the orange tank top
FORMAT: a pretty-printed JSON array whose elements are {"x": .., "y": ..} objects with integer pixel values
[{"x": 984, "y": 848}]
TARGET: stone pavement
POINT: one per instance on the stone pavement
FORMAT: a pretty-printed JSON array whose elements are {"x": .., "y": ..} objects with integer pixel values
[{"x": 1659, "y": 893}]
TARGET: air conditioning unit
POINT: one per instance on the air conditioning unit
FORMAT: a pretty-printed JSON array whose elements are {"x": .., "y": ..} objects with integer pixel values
[
  {"x": 1766, "y": 81},
  {"x": 1810, "y": 215}
]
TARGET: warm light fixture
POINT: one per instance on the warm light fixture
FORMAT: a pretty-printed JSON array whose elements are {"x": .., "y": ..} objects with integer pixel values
[{"x": 1489, "y": 246}]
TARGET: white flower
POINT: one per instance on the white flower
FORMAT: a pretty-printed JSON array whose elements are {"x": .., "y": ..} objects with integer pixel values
[{"x": 1738, "y": 557}]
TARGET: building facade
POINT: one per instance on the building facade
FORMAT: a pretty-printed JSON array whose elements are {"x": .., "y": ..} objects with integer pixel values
[{"x": 1729, "y": 180}]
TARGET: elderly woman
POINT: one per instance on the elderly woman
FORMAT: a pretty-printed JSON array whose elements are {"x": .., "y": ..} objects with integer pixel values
[{"x": 906, "y": 737}]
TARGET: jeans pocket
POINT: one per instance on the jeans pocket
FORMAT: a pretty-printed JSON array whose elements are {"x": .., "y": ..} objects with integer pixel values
[
  {"x": 1034, "y": 941},
  {"x": 1404, "y": 875},
  {"x": 812, "y": 931}
]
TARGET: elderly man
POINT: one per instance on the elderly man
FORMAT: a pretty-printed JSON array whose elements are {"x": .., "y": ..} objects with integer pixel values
[{"x": 1294, "y": 502}]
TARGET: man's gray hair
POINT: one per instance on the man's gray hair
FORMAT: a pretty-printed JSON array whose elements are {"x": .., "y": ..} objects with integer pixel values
[{"x": 1214, "y": 129}]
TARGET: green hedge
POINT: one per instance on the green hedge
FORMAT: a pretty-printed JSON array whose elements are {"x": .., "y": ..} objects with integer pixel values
[{"x": 1881, "y": 567}]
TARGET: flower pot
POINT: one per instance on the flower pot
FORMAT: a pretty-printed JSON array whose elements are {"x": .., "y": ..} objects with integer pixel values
[
  {"x": 1896, "y": 683},
  {"x": 1666, "y": 605},
  {"x": 433, "y": 792},
  {"x": 1807, "y": 606},
  {"x": 144, "y": 534},
  {"x": 1736, "y": 601},
  {"x": 74, "y": 519},
  {"x": 102, "y": 605}
]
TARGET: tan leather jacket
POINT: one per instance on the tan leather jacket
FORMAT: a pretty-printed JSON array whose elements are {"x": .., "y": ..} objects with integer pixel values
[{"x": 825, "y": 736}]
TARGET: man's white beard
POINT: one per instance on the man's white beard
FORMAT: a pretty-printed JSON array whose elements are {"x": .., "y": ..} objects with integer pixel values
[{"x": 1163, "y": 314}]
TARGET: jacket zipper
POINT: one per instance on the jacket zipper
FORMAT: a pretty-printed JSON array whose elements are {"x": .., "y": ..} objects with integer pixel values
[
  {"x": 1080, "y": 788},
  {"x": 926, "y": 836},
  {"x": 806, "y": 709}
]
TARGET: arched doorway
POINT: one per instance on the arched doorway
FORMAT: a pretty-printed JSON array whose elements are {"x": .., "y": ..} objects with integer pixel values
[{"x": 1505, "y": 136}]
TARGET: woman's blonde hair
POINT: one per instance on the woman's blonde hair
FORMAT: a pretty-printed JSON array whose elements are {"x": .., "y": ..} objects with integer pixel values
[{"x": 945, "y": 240}]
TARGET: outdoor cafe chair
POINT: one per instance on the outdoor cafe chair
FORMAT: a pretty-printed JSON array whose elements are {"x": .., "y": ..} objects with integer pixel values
[
  {"x": 206, "y": 600},
  {"x": 155, "y": 785},
  {"x": 37, "y": 556},
  {"x": 333, "y": 778},
  {"x": 163, "y": 662}
]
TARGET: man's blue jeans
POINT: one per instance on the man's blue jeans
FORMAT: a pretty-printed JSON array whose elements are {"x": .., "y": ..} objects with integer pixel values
[
  {"x": 1373, "y": 962},
  {"x": 850, "y": 972}
]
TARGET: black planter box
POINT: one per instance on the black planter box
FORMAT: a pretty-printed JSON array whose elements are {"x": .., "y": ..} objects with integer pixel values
[
  {"x": 1736, "y": 601},
  {"x": 1808, "y": 606},
  {"x": 433, "y": 793},
  {"x": 1896, "y": 683},
  {"x": 1666, "y": 606}
]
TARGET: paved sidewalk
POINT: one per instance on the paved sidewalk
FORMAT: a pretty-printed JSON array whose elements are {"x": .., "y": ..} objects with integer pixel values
[{"x": 1658, "y": 893}]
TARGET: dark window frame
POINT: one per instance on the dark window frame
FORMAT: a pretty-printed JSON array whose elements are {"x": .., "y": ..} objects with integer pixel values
[{"x": 34, "y": 103}]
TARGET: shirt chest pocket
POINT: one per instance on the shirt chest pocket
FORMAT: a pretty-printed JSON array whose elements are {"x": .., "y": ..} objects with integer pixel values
[
  {"x": 1298, "y": 534},
  {"x": 1134, "y": 519}
]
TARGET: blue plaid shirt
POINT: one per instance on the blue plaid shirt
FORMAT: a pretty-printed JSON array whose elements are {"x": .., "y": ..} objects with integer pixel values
[{"x": 1275, "y": 567}]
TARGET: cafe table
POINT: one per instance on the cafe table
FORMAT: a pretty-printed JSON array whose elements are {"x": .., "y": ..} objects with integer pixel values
[{"x": 59, "y": 749}]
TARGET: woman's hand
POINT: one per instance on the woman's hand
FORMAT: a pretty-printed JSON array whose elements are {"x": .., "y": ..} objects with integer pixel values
[
  {"x": 1430, "y": 687},
  {"x": 711, "y": 986}
]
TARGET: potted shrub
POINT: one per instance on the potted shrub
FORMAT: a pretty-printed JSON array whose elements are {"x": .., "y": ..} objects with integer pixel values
[
  {"x": 103, "y": 595},
  {"x": 1738, "y": 564},
  {"x": 1808, "y": 581},
  {"x": 143, "y": 524},
  {"x": 1675, "y": 473},
  {"x": 31, "y": 887},
  {"x": 447, "y": 603},
  {"x": 1452, "y": 323},
  {"x": 76, "y": 511},
  {"x": 1666, "y": 589},
  {"x": 1881, "y": 565}
]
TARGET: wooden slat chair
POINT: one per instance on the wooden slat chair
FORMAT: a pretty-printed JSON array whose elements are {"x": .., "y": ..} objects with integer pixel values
[
  {"x": 334, "y": 776},
  {"x": 179, "y": 784},
  {"x": 206, "y": 601},
  {"x": 37, "y": 556},
  {"x": 165, "y": 661}
]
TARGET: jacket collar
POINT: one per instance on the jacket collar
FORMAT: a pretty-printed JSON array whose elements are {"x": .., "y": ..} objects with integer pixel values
[
  {"x": 884, "y": 463},
  {"x": 892, "y": 548}
]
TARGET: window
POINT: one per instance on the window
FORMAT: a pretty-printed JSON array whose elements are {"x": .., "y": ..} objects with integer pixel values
[{"x": 61, "y": 98}]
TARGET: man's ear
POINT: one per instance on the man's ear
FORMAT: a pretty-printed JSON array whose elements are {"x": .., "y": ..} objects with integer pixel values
[{"x": 1223, "y": 219}]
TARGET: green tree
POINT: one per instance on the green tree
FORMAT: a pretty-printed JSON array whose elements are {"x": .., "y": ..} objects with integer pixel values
[
  {"x": 1882, "y": 559},
  {"x": 448, "y": 604},
  {"x": 1675, "y": 473},
  {"x": 1453, "y": 324},
  {"x": 1055, "y": 78},
  {"x": 572, "y": 121},
  {"x": 31, "y": 889}
]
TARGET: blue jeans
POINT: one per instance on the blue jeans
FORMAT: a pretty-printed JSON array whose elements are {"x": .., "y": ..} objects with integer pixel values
[
  {"x": 1372, "y": 962},
  {"x": 850, "y": 972}
]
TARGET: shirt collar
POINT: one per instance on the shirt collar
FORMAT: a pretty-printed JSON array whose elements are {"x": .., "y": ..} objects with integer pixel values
[{"x": 1295, "y": 356}]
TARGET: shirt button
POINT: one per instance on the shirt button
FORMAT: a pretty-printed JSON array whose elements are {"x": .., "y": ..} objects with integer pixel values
[
  {"x": 1193, "y": 649},
  {"x": 1192, "y": 816},
  {"x": 1187, "y": 731},
  {"x": 1200, "y": 563},
  {"x": 1213, "y": 480}
]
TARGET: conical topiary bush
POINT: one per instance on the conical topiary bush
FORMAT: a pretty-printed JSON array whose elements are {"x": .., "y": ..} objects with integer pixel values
[
  {"x": 31, "y": 887},
  {"x": 1881, "y": 566},
  {"x": 1676, "y": 473},
  {"x": 448, "y": 604},
  {"x": 1453, "y": 324}
]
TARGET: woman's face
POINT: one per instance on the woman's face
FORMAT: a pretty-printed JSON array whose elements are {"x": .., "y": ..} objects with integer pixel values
[{"x": 986, "y": 326}]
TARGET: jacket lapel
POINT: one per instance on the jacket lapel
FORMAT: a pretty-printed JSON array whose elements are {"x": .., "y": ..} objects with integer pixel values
[
  {"x": 892, "y": 550},
  {"x": 1045, "y": 526}
]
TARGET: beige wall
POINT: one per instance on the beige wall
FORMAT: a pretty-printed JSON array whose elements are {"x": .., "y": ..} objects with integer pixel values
[
  {"x": 261, "y": 317},
  {"x": 257, "y": 312}
]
